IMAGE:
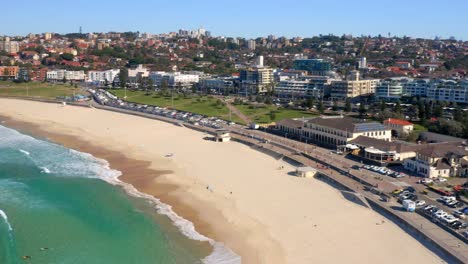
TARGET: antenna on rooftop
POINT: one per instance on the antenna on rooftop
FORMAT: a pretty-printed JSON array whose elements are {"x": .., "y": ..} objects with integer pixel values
[{"x": 81, "y": 30}]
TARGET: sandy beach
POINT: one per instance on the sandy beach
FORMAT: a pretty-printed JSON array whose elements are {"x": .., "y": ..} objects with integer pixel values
[{"x": 231, "y": 193}]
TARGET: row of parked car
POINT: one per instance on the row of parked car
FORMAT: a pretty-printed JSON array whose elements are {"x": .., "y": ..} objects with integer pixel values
[
  {"x": 384, "y": 171},
  {"x": 450, "y": 201},
  {"x": 109, "y": 99},
  {"x": 453, "y": 221},
  {"x": 409, "y": 193}
]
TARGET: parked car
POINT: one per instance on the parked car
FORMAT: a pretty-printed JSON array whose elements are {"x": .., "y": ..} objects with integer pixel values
[
  {"x": 420, "y": 203},
  {"x": 441, "y": 180},
  {"x": 459, "y": 214}
]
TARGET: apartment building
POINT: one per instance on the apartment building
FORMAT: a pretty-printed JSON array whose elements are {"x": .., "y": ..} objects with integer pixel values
[
  {"x": 9, "y": 72},
  {"x": 313, "y": 66},
  {"x": 59, "y": 75},
  {"x": 137, "y": 74},
  {"x": 449, "y": 91},
  {"x": 9, "y": 46},
  {"x": 256, "y": 80},
  {"x": 174, "y": 79},
  {"x": 332, "y": 131},
  {"x": 102, "y": 76},
  {"x": 388, "y": 90},
  {"x": 354, "y": 87}
]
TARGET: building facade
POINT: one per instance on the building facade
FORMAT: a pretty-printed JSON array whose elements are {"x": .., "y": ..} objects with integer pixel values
[
  {"x": 332, "y": 131},
  {"x": 9, "y": 72},
  {"x": 60, "y": 75},
  {"x": 352, "y": 88},
  {"x": 389, "y": 90},
  {"x": 440, "y": 160},
  {"x": 174, "y": 79},
  {"x": 102, "y": 76},
  {"x": 313, "y": 66},
  {"x": 256, "y": 80}
]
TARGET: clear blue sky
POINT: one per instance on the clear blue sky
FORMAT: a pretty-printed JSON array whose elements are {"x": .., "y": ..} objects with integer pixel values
[{"x": 247, "y": 18}]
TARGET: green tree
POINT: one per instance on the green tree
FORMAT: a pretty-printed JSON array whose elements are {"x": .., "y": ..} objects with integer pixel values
[
  {"x": 123, "y": 77},
  {"x": 437, "y": 111},
  {"x": 362, "y": 109},
  {"x": 348, "y": 105},
  {"x": 383, "y": 106},
  {"x": 458, "y": 114},
  {"x": 422, "y": 110},
  {"x": 320, "y": 107},
  {"x": 335, "y": 106},
  {"x": 64, "y": 80},
  {"x": 398, "y": 107},
  {"x": 67, "y": 56},
  {"x": 310, "y": 102}
]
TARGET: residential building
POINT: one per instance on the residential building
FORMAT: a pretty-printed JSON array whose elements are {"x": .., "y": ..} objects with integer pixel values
[
  {"x": 47, "y": 36},
  {"x": 9, "y": 72},
  {"x": 332, "y": 131},
  {"x": 251, "y": 44},
  {"x": 174, "y": 79},
  {"x": 399, "y": 127},
  {"x": 389, "y": 90},
  {"x": 416, "y": 87},
  {"x": 137, "y": 74},
  {"x": 449, "y": 91},
  {"x": 102, "y": 77},
  {"x": 256, "y": 80},
  {"x": 353, "y": 87},
  {"x": 218, "y": 85},
  {"x": 303, "y": 87},
  {"x": 362, "y": 64},
  {"x": 60, "y": 75},
  {"x": 440, "y": 160},
  {"x": 313, "y": 66},
  {"x": 9, "y": 46}
]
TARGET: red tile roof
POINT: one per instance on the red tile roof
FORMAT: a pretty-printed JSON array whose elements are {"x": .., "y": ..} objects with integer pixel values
[{"x": 397, "y": 122}]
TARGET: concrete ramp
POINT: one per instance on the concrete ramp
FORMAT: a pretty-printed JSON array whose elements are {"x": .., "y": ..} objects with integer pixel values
[{"x": 355, "y": 198}]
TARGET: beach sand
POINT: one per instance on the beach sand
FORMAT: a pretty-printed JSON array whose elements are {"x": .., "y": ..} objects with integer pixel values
[{"x": 231, "y": 193}]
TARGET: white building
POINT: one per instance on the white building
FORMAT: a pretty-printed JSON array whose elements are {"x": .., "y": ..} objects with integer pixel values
[
  {"x": 140, "y": 72},
  {"x": 103, "y": 76},
  {"x": 362, "y": 64},
  {"x": 389, "y": 90},
  {"x": 59, "y": 75},
  {"x": 174, "y": 79}
]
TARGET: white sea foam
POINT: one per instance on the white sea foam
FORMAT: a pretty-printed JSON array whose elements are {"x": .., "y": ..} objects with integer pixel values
[
  {"x": 5, "y": 217},
  {"x": 45, "y": 170},
  {"x": 25, "y": 152}
]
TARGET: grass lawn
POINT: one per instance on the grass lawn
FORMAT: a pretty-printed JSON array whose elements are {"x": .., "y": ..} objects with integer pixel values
[
  {"x": 35, "y": 89},
  {"x": 200, "y": 105},
  {"x": 261, "y": 114}
]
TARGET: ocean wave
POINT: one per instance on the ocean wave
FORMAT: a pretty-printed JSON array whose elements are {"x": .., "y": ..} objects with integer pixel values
[
  {"x": 5, "y": 217},
  {"x": 24, "y": 152}
]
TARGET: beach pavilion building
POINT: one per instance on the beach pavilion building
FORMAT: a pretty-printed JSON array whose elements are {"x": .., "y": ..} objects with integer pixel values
[{"x": 331, "y": 131}]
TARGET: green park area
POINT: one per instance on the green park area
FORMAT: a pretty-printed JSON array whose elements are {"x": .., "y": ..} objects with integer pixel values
[
  {"x": 211, "y": 106},
  {"x": 271, "y": 113},
  {"x": 35, "y": 89}
]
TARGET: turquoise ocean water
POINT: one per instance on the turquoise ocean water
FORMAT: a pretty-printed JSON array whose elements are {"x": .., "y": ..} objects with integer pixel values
[{"x": 58, "y": 205}]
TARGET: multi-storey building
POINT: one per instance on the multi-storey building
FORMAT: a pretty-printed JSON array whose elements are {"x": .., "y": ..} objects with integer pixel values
[
  {"x": 415, "y": 87},
  {"x": 389, "y": 90},
  {"x": 313, "y": 66},
  {"x": 352, "y": 88},
  {"x": 9, "y": 46},
  {"x": 449, "y": 91},
  {"x": 303, "y": 86},
  {"x": 137, "y": 74},
  {"x": 102, "y": 76},
  {"x": 332, "y": 131},
  {"x": 59, "y": 75},
  {"x": 219, "y": 85},
  {"x": 9, "y": 72},
  {"x": 251, "y": 44},
  {"x": 256, "y": 80},
  {"x": 174, "y": 79}
]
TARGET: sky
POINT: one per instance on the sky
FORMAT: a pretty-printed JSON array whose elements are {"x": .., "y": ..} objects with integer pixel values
[{"x": 241, "y": 18}]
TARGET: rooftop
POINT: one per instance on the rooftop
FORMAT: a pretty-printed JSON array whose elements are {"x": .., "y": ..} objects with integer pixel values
[
  {"x": 399, "y": 122},
  {"x": 347, "y": 124}
]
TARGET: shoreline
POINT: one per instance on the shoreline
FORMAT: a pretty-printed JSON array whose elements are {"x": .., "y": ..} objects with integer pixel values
[
  {"x": 136, "y": 174},
  {"x": 272, "y": 225}
]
